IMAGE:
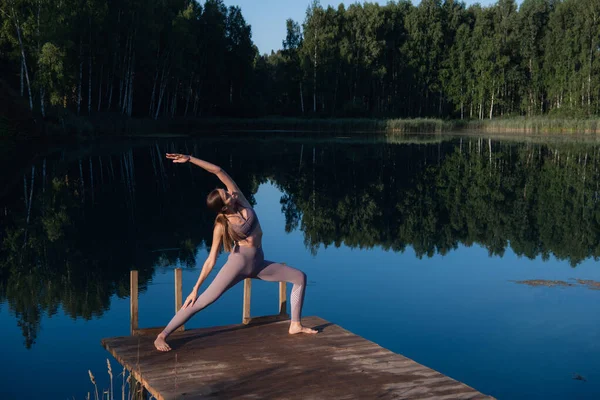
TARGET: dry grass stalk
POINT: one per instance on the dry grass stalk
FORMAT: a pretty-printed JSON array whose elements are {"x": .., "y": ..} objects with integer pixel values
[
  {"x": 94, "y": 383},
  {"x": 123, "y": 386},
  {"x": 111, "y": 379}
]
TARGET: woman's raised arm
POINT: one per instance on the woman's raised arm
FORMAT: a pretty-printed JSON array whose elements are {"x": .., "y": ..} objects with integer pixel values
[{"x": 223, "y": 176}]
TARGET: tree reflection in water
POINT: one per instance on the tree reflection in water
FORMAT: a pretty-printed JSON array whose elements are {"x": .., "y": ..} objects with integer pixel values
[{"x": 75, "y": 223}]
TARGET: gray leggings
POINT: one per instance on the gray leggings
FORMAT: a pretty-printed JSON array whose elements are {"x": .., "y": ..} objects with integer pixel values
[{"x": 245, "y": 262}]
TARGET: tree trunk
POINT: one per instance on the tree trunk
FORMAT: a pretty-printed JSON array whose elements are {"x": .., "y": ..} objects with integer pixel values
[
  {"x": 163, "y": 84},
  {"x": 90, "y": 84},
  {"x": 590, "y": 71},
  {"x": 131, "y": 79},
  {"x": 337, "y": 79},
  {"x": 90, "y": 68},
  {"x": 123, "y": 81},
  {"x": 92, "y": 179},
  {"x": 492, "y": 105},
  {"x": 115, "y": 66},
  {"x": 24, "y": 66},
  {"x": 22, "y": 76},
  {"x": 315, "y": 77},
  {"x": 101, "y": 170},
  {"x": 100, "y": 87},
  {"x": 153, "y": 96},
  {"x": 110, "y": 93},
  {"x": 42, "y": 100},
  {"x": 42, "y": 91},
  {"x": 196, "y": 99},
  {"x": 174, "y": 101},
  {"x": 531, "y": 106},
  {"x": 167, "y": 107},
  {"x": 80, "y": 76},
  {"x": 189, "y": 94},
  {"x": 30, "y": 201},
  {"x": 301, "y": 99},
  {"x": 82, "y": 182}
]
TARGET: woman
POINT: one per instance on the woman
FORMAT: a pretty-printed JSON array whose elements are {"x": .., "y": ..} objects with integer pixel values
[{"x": 238, "y": 229}]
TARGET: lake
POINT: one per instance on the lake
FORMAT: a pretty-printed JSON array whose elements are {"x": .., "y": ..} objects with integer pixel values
[{"x": 475, "y": 256}]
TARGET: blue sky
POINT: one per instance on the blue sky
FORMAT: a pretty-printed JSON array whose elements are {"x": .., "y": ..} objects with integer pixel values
[{"x": 267, "y": 17}]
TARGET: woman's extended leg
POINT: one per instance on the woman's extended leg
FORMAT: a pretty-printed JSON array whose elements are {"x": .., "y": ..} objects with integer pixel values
[
  {"x": 283, "y": 273},
  {"x": 228, "y": 276}
]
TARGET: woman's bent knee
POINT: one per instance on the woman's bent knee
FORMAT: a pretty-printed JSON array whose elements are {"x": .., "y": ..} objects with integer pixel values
[{"x": 301, "y": 279}]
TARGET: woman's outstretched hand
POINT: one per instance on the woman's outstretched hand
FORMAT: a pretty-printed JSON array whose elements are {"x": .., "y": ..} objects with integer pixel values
[
  {"x": 178, "y": 158},
  {"x": 191, "y": 299}
]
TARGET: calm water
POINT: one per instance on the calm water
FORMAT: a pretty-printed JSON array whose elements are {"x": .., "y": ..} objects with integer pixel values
[{"x": 420, "y": 246}]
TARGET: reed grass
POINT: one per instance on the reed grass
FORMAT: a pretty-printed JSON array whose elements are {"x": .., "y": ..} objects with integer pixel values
[
  {"x": 538, "y": 125},
  {"x": 323, "y": 126},
  {"x": 131, "y": 389},
  {"x": 111, "y": 379},
  {"x": 93, "y": 383},
  {"x": 114, "y": 124}
]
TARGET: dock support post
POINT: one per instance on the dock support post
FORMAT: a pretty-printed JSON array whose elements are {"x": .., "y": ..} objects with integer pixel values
[
  {"x": 133, "y": 303},
  {"x": 178, "y": 293},
  {"x": 282, "y": 298},
  {"x": 247, "y": 294}
]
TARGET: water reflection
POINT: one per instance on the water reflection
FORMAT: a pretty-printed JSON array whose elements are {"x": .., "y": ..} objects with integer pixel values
[{"x": 76, "y": 222}]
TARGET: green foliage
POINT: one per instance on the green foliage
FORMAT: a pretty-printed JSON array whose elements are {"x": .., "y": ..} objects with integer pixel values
[
  {"x": 51, "y": 72},
  {"x": 174, "y": 57},
  {"x": 438, "y": 59}
]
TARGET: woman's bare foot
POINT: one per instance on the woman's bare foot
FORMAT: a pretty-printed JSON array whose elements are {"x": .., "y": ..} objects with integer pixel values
[
  {"x": 296, "y": 327},
  {"x": 161, "y": 344}
]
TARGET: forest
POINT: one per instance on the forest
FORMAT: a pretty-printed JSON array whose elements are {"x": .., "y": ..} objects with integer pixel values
[{"x": 168, "y": 59}]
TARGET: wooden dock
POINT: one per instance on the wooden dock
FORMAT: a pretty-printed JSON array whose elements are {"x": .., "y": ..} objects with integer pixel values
[{"x": 260, "y": 360}]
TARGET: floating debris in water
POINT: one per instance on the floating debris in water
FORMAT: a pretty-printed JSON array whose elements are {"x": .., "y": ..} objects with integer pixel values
[
  {"x": 590, "y": 284},
  {"x": 594, "y": 285},
  {"x": 543, "y": 282}
]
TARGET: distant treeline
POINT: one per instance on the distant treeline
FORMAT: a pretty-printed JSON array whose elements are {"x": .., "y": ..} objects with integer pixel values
[{"x": 182, "y": 58}]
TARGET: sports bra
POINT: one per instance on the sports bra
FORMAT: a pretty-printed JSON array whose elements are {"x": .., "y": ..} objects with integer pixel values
[{"x": 245, "y": 229}]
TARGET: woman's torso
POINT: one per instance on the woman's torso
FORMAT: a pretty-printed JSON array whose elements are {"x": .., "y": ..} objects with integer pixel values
[{"x": 245, "y": 227}]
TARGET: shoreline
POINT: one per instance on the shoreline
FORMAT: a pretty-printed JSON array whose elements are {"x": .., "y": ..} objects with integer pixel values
[
  {"x": 346, "y": 126},
  {"x": 113, "y": 125}
]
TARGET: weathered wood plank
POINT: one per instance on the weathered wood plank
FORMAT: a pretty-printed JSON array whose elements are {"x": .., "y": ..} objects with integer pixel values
[
  {"x": 247, "y": 296},
  {"x": 263, "y": 361},
  {"x": 178, "y": 292},
  {"x": 282, "y": 298},
  {"x": 133, "y": 290}
]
